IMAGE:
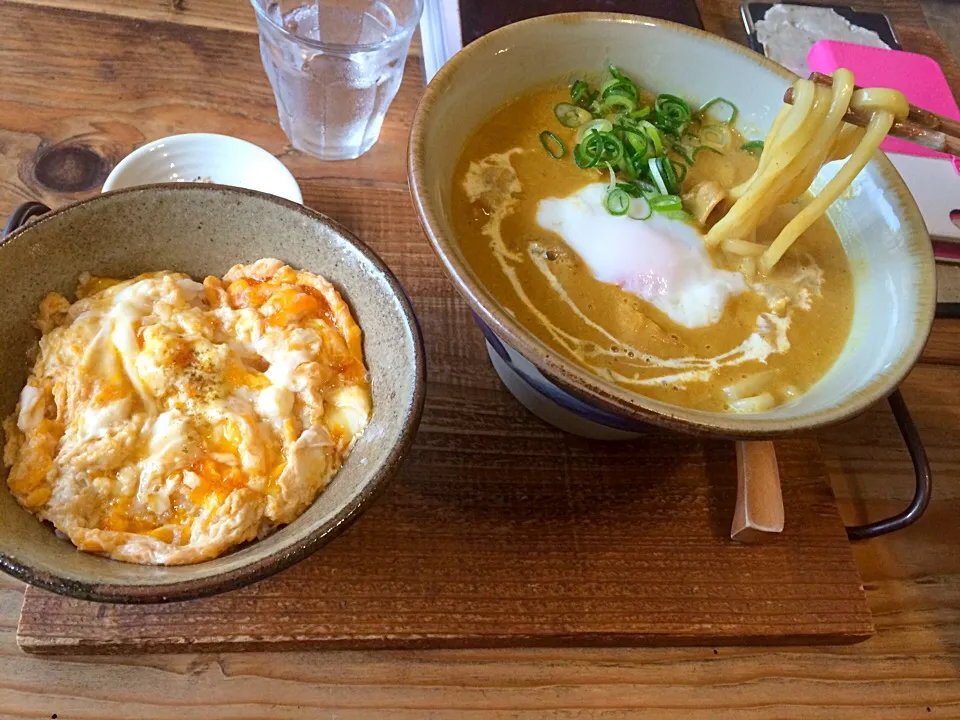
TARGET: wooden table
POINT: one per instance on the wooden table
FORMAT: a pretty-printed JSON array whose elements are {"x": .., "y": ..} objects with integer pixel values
[{"x": 82, "y": 82}]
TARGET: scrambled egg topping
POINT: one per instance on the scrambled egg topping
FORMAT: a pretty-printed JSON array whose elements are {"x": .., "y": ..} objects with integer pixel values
[{"x": 166, "y": 421}]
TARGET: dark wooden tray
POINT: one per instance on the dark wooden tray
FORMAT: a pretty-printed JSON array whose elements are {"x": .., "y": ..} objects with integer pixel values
[{"x": 500, "y": 530}]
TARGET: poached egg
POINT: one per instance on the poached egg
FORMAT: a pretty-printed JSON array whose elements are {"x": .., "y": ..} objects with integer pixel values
[{"x": 661, "y": 260}]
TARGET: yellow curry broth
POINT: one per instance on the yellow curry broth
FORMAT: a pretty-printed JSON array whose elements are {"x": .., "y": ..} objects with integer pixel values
[{"x": 816, "y": 335}]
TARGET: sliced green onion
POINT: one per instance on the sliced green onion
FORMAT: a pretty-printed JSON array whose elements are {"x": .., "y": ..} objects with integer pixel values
[
  {"x": 616, "y": 201},
  {"x": 604, "y": 145},
  {"x": 647, "y": 189},
  {"x": 617, "y": 100},
  {"x": 664, "y": 173},
  {"x": 638, "y": 142},
  {"x": 681, "y": 215},
  {"x": 754, "y": 147},
  {"x": 666, "y": 203},
  {"x": 592, "y": 146},
  {"x": 657, "y": 176},
  {"x": 613, "y": 178},
  {"x": 592, "y": 103},
  {"x": 669, "y": 174},
  {"x": 612, "y": 149},
  {"x": 578, "y": 91},
  {"x": 717, "y": 136},
  {"x": 684, "y": 151},
  {"x": 721, "y": 101},
  {"x": 651, "y": 132},
  {"x": 673, "y": 113},
  {"x": 581, "y": 96},
  {"x": 600, "y": 124},
  {"x": 680, "y": 174},
  {"x": 643, "y": 147},
  {"x": 580, "y": 158},
  {"x": 547, "y": 139},
  {"x": 611, "y": 85},
  {"x": 587, "y": 155},
  {"x": 619, "y": 83},
  {"x": 640, "y": 208},
  {"x": 597, "y": 147},
  {"x": 619, "y": 87},
  {"x": 570, "y": 115}
]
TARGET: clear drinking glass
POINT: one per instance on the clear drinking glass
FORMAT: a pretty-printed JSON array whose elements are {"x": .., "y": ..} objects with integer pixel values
[{"x": 335, "y": 67}]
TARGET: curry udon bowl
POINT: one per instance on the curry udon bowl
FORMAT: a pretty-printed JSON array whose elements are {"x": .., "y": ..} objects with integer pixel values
[
  {"x": 205, "y": 231},
  {"x": 877, "y": 221}
]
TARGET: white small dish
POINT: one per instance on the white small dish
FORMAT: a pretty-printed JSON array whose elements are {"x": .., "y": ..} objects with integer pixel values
[{"x": 205, "y": 157}]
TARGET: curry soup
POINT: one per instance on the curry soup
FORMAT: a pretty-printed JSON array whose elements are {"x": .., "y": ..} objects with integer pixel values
[{"x": 789, "y": 326}]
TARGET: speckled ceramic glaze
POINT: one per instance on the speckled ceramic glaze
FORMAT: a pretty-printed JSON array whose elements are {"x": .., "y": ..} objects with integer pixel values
[
  {"x": 204, "y": 231},
  {"x": 877, "y": 220}
]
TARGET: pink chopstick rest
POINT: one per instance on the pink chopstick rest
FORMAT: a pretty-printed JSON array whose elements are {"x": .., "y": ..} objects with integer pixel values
[
  {"x": 918, "y": 77},
  {"x": 932, "y": 177}
]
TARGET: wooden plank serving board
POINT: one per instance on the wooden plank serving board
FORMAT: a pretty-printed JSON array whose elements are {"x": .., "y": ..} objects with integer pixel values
[{"x": 500, "y": 531}]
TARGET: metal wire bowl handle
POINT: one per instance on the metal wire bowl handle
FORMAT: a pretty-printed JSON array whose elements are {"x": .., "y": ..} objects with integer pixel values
[
  {"x": 921, "y": 468},
  {"x": 918, "y": 455},
  {"x": 23, "y": 214}
]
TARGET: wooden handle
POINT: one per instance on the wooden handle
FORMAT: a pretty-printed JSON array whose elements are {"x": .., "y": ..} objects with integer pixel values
[{"x": 759, "y": 513}]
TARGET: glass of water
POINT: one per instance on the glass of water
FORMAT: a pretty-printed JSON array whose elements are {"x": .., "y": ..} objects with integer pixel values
[{"x": 335, "y": 67}]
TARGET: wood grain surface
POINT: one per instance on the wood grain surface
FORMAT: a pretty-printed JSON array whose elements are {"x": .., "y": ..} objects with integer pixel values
[
  {"x": 70, "y": 110},
  {"x": 502, "y": 531},
  {"x": 909, "y": 669},
  {"x": 621, "y": 544}
]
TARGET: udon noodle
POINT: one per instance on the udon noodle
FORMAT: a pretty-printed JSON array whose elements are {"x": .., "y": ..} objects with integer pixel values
[{"x": 803, "y": 137}]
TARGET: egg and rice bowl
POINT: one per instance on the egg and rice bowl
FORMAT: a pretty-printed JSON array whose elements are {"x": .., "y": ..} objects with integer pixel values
[{"x": 166, "y": 421}]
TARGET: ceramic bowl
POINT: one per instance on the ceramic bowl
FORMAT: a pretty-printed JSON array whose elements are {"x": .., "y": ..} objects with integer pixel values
[
  {"x": 203, "y": 231},
  {"x": 877, "y": 220},
  {"x": 205, "y": 157}
]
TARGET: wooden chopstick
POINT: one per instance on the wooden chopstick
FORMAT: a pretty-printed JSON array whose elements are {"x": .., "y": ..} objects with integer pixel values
[{"x": 921, "y": 126}]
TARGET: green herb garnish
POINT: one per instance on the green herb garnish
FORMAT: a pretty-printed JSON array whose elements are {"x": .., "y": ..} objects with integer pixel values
[
  {"x": 553, "y": 145},
  {"x": 717, "y": 103},
  {"x": 645, "y": 145}
]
